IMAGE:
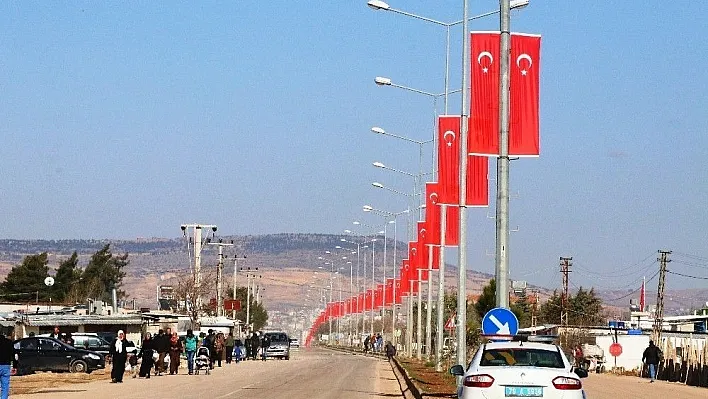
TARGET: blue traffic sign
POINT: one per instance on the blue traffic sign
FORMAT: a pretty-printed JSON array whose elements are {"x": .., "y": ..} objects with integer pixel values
[{"x": 500, "y": 321}]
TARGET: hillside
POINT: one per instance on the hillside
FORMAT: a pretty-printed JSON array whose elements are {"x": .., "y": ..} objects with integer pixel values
[{"x": 287, "y": 263}]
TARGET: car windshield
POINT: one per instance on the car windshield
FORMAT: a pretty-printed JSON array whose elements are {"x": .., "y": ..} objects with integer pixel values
[
  {"x": 522, "y": 357},
  {"x": 278, "y": 337}
]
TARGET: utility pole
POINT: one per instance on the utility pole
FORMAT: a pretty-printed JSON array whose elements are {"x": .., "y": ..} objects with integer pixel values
[
  {"x": 565, "y": 264},
  {"x": 197, "y": 230},
  {"x": 236, "y": 258},
  {"x": 534, "y": 308},
  {"x": 219, "y": 276},
  {"x": 250, "y": 274},
  {"x": 659, "y": 315}
]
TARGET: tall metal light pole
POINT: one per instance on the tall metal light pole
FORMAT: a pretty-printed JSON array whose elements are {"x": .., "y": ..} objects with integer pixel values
[
  {"x": 220, "y": 275},
  {"x": 462, "y": 249},
  {"x": 502, "y": 212},
  {"x": 250, "y": 274}
]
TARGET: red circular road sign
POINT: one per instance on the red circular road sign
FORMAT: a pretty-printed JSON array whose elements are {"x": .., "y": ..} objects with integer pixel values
[{"x": 615, "y": 349}]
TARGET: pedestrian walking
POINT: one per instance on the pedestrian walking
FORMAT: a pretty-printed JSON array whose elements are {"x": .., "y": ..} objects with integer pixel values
[
  {"x": 652, "y": 356},
  {"x": 238, "y": 350},
  {"x": 7, "y": 365},
  {"x": 390, "y": 350},
  {"x": 229, "y": 348},
  {"x": 175, "y": 351},
  {"x": 247, "y": 345},
  {"x": 146, "y": 354},
  {"x": 210, "y": 343},
  {"x": 219, "y": 345},
  {"x": 119, "y": 355},
  {"x": 56, "y": 334},
  {"x": 265, "y": 344},
  {"x": 255, "y": 343},
  {"x": 190, "y": 348},
  {"x": 379, "y": 343}
]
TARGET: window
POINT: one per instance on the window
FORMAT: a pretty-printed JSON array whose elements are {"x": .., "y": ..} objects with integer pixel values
[
  {"x": 30, "y": 344},
  {"x": 522, "y": 357},
  {"x": 49, "y": 345}
]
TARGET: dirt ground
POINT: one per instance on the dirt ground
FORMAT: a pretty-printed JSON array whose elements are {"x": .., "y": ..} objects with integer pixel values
[
  {"x": 40, "y": 382},
  {"x": 430, "y": 382}
]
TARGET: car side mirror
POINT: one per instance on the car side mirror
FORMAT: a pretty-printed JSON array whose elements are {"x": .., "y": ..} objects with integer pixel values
[
  {"x": 457, "y": 370},
  {"x": 582, "y": 373}
]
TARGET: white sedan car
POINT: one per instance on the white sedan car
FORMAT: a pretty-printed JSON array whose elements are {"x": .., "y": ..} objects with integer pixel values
[{"x": 517, "y": 369}]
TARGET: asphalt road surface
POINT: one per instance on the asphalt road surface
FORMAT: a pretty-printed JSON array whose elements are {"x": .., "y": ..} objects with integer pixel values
[
  {"x": 310, "y": 373},
  {"x": 607, "y": 386}
]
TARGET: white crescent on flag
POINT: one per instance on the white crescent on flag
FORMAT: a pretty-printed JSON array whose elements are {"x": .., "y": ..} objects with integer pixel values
[{"x": 451, "y": 134}]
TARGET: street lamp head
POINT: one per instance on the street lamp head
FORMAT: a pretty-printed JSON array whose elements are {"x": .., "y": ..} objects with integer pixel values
[
  {"x": 342, "y": 240},
  {"x": 379, "y": 164},
  {"x": 327, "y": 252},
  {"x": 382, "y": 232},
  {"x": 357, "y": 223},
  {"x": 337, "y": 247},
  {"x": 378, "y": 5},
  {"x": 378, "y": 130},
  {"x": 516, "y": 4},
  {"x": 347, "y": 232},
  {"x": 377, "y": 184},
  {"x": 381, "y": 81},
  {"x": 391, "y": 222},
  {"x": 368, "y": 208}
]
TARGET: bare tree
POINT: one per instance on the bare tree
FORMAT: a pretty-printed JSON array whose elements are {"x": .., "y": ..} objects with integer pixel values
[{"x": 187, "y": 291}]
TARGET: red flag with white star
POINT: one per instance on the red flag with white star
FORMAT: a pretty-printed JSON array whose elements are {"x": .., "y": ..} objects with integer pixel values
[
  {"x": 484, "y": 111},
  {"x": 524, "y": 95}
]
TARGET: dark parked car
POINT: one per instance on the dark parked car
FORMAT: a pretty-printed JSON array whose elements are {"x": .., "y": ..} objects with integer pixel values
[{"x": 49, "y": 354}]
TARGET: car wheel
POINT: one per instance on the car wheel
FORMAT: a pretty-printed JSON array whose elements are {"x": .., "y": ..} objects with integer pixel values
[
  {"x": 287, "y": 357},
  {"x": 79, "y": 366}
]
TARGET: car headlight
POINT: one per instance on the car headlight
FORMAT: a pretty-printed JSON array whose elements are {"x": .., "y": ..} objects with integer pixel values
[{"x": 93, "y": 356}]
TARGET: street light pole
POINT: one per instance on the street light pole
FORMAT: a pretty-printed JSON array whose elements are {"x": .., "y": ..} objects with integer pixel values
[
  {"x": 502, "y": 212},
  {"x": 462, "y": 249}
]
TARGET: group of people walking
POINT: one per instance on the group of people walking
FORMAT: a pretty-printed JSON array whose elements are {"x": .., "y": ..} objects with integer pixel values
[{"x": 164, "y": 350}]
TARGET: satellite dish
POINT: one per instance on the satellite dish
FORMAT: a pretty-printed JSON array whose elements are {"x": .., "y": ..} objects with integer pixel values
[{"x": 49, "y": 281}]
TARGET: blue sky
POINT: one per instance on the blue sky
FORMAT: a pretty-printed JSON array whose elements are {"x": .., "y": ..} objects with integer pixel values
[{"x": 123, "y": 120}]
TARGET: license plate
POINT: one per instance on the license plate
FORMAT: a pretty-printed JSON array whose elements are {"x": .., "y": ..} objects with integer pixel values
[{"x": 523, "y": 392}]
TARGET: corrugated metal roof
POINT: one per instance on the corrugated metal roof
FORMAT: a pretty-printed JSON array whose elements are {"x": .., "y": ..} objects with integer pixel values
[{"x": 73, "y": 320}]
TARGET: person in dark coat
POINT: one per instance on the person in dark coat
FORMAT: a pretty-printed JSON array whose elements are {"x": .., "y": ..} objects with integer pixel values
[
  {"x": 255, "y": 343},
  {"x": 210, "y": 343},
  {"x": 146, "y": 353},
  {"x": 247, "y": 345},
  {"x": 176, "y": 348},
  {"x": 390, "y": 350},
  {"x": 265, "y": 344},
  {"x": 652, "y": 356},
  {"x": 119, "y": 355}
]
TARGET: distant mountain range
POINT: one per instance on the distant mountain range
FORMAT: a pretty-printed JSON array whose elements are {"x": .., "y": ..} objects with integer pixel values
[{"x": 288, "y": 264}]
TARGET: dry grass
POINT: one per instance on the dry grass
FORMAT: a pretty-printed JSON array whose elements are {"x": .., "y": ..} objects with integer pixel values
[{"x": 39, "y": 382}]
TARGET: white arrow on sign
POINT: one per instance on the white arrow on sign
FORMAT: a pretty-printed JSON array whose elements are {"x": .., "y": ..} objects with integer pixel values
[{"x": 503, "y": 328}]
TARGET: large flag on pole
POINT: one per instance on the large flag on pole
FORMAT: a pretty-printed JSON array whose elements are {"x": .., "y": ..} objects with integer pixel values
[
  {"x": 448, "y": 188},
  {"x": 524, "y": 95},
  {"x": 524, "y": 78}
]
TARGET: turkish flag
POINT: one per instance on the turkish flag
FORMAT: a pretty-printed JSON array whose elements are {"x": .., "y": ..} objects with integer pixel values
[
  {"x": 405, "y": 277},
  {"x": 378, "y": 296},
  {"x": 524, "y": 95},
  {"x": 448, "y": 188},
  {"x": 388, "y": 298},
  {"x": 484, "y": 111},
  {"x": 361, "y": 305},
  {"x": 448, "y": 159},
  {"x": 432, "y": 214},
  {"x": 398, "y": 295},
  {"x": 452, "y": 226},
  {"x": 369, "y": 298}
]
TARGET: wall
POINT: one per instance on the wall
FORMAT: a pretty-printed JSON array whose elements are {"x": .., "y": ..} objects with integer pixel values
[{"x": 632, "y": 349}]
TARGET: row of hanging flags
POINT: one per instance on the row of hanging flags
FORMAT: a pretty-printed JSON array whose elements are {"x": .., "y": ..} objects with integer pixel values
[{"x": 483, "y": 143}]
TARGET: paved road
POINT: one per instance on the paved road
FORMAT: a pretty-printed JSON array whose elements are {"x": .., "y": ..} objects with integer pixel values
[
  {"x": 310, "y": 373},
  {"x": 607, "y": 386}
]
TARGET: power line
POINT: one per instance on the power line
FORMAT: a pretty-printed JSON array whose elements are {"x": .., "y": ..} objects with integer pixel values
[
  {"x": 686, "y": 275},
  {"x": 691, "y": 264},
  {"x": 635, "y": 291}
]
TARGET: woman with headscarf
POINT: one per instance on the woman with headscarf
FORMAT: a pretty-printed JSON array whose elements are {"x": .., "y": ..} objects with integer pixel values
[
  {"x": 119, "y": 355},
  {"x": 175, "y": 351},
  {"x": 146, "y": 353}
]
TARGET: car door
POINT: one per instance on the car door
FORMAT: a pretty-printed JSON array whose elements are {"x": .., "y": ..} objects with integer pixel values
[
  {"x": 27, "y": 354},
  {"x": 53, "y": 355}
]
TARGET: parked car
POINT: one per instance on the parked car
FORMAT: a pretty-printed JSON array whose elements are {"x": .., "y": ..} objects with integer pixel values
[
  {"x": 520, "y": 369},
  {"x": 93, "y": 342},
  {"x": 294, "y": 343},
  {"x": 279, "y": 345},
  {"x": 49, "y": 354}
]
